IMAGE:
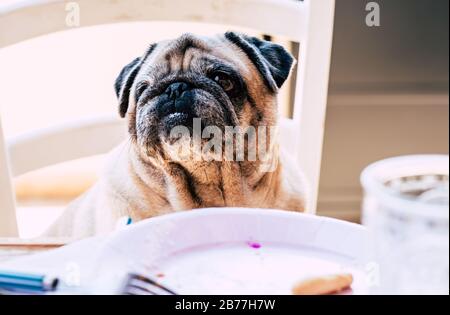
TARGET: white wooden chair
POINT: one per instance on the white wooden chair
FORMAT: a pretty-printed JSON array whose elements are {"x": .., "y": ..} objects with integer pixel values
[{"x": 309, "y": 22}]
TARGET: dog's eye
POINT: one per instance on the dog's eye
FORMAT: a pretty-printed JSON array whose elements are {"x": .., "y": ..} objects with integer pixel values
[{"x": 224, "y": 81}]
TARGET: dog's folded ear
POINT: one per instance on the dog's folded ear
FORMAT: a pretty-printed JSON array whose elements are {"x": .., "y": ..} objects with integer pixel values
[
  {"x": 126, "y": 79},
  {"x": 272, "y": 60},
  {"x": 124, "y": 82}
]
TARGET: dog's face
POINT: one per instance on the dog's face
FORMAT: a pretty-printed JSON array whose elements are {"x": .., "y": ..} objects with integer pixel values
[{"x": 226, "y": 80}]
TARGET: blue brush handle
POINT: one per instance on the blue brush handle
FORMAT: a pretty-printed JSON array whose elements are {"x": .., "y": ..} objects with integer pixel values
[{"x": 26, "y": 282}]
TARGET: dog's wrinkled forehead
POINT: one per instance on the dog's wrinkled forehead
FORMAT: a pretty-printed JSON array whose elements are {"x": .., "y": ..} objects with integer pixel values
[{"x": 190, "y": 53}]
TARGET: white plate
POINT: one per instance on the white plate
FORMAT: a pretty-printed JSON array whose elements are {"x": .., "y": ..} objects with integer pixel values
[{"x": 236, "y": 251}]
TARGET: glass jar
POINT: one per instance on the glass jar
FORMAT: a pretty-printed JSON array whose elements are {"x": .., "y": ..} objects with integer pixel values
[{"x": 406, "y": 209}]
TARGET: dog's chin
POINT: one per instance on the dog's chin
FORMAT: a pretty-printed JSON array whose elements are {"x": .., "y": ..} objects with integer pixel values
[
  {"x": 188, "y": 123},
  {"x": 176, "y": 119},
  {"x": 177, "y": 125},
  {"x": 172, "y": 127}
]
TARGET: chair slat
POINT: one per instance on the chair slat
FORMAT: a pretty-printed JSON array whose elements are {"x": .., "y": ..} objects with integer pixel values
[
  {"x": 312, "y": 92},
  {"x": 37, "y": 149},
  {"x": 8, "y": 221},
  {"x": 277, "y": 17}
]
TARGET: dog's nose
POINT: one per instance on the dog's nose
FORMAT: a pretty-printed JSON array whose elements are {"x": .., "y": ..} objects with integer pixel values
[{"x": 175, "y": 90}]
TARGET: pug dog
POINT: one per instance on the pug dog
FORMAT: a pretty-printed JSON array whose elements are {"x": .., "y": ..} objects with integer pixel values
[{"x": 225, "y": 81}]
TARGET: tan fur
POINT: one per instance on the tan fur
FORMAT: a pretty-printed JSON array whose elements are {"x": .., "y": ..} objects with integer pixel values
[{"x": 142, "y": 185}]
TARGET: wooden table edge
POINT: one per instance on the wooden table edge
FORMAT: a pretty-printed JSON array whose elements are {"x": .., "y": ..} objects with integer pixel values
[{"x": 38, "y": 244}]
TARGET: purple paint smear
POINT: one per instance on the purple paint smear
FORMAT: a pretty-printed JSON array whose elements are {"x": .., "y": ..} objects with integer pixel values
[{"x": 254, "y": 245}]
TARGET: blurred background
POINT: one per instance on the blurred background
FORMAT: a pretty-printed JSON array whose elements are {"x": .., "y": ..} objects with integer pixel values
[{"x": 388, "y": 95}]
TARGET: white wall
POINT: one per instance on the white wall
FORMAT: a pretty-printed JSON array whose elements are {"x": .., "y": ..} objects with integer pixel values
[{"x": 388, "y": 93}]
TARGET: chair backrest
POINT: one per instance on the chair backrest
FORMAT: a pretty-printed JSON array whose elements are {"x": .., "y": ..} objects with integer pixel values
[{"x": 308, "y": 22}]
